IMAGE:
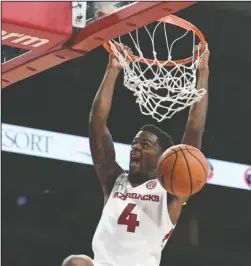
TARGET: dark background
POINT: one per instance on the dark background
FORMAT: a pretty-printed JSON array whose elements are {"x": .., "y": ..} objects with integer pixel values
[{"x": 64, "y": 200}]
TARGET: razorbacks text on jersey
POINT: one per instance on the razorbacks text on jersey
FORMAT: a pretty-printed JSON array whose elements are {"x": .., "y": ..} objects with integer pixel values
[{"x": 134, "y": 226}]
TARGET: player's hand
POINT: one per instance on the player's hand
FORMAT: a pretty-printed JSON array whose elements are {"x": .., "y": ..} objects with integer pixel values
[
  {"x": 113, "y": 60},
  {"x": 203, "y": 63}
]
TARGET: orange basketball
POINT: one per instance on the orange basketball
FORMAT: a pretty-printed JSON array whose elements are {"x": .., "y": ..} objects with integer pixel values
[{"x": 182, "y": 170}]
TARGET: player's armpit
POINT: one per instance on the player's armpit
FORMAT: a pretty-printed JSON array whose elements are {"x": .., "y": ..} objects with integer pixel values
[{"x": 103, "y": 155}]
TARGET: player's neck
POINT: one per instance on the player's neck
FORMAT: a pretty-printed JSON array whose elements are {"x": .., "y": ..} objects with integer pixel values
[{"x": 140, "y": 178}]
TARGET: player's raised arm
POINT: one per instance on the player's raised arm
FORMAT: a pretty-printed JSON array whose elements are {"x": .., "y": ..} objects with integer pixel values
[
  {"x": 101, "y": 143},
  {"x": 198, "y": 112},
  {"x": 194, "y": 129}
]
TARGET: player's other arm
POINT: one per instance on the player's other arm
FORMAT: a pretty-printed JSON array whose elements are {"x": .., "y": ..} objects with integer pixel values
[
  {"x": 101, "y": 143},
  {"x": 194, "y": 130},
  {"x": 198, "y": 111}
]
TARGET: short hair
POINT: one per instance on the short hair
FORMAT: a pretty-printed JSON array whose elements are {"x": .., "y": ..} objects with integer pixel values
[{"x": 165, "y": 140}]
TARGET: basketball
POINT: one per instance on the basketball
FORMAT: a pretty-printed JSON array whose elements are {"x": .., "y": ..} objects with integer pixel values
[{"x": 182, "y": 170}]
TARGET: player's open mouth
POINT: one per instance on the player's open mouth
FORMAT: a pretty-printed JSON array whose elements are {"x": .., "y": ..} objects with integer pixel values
[{"x": 135, "y": 160}]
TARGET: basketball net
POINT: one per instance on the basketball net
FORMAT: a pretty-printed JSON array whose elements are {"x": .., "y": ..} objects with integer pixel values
[{"x": 172, "y": 85}]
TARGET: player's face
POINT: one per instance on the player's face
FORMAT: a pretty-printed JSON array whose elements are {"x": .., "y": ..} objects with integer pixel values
[{"x": 145, "y": 152}]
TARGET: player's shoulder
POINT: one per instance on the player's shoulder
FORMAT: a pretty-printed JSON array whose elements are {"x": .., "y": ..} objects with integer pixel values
[{"x": 121, "y": 179}]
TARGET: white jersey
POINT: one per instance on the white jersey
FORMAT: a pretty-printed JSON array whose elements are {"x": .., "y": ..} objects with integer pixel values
[{"x": 134, "y": 226}]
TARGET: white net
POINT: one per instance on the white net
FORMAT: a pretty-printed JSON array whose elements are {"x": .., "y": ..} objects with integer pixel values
[{"x": 162, "y": 88}]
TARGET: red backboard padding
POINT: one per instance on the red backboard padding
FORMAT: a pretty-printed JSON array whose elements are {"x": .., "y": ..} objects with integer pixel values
[
  {"x": 31, "y": 22},
  {"x": 87, "y": 39}
]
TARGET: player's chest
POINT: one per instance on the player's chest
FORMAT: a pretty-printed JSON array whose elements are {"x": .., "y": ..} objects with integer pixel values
[
  {"x": 143, "y": 194},
  {"x": 128, "y": 202}
]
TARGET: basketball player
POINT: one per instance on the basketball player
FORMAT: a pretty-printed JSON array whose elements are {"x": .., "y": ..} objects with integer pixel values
[{"x": 138, "y": 216}]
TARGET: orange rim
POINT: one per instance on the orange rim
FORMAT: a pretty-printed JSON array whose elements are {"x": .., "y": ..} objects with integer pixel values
[{"x": 174, "y": 20}]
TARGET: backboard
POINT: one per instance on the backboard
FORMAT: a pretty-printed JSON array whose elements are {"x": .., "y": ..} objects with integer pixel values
[
  {"x": 83, "y": 13},
  {"x": 32, "y": 43}
]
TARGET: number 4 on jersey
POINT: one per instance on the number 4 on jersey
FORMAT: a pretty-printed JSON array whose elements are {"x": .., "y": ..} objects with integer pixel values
[{"x": 128, "y": 218}]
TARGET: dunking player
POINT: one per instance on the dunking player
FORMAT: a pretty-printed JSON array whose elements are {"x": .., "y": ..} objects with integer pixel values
[{"x": 138, "y": 215}]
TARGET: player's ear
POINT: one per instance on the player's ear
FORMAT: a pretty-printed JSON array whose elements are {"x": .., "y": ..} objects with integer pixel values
[{"x": 160, "y": 149}]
